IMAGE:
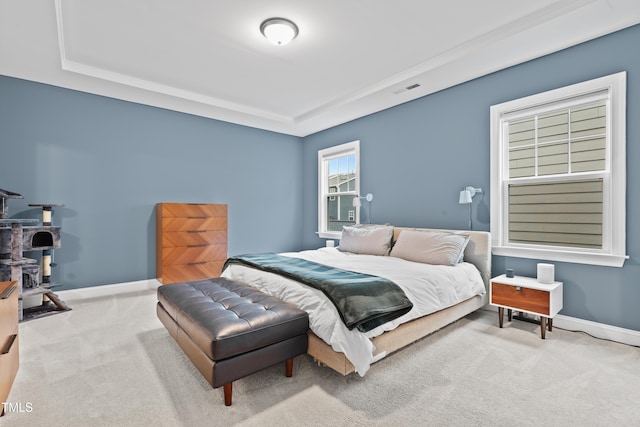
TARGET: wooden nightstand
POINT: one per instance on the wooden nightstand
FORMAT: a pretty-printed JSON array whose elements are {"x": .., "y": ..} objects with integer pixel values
[{"x": 526, "y": 295}]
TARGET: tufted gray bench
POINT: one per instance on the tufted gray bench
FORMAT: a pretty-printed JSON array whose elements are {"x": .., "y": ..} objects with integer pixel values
[{"x": 230, "y": 330}]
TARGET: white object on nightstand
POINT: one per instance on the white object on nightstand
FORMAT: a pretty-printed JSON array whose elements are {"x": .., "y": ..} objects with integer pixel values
[{"x": 546, "y": 273}]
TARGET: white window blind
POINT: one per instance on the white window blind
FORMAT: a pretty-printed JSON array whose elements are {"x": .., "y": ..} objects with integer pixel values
[{"x": 558, "y": 214}]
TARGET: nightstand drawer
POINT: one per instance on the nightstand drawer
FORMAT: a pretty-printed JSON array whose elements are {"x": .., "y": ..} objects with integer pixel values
[{"x": 521, "y": 298}]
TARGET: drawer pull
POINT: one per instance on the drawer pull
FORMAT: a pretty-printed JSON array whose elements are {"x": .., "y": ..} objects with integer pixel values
[
  {"x": 518, "y": 288},
  {"x": 7, "y": 292},
  {"x": 196, "y": 231},
  {"x": 197, "y": 217},
  {"x": 11, "y": 341},
  {"x": 197, "y": 263}
]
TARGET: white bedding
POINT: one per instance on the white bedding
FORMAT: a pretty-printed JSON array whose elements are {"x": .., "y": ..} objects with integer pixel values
[{"x": 429, "y": 287}]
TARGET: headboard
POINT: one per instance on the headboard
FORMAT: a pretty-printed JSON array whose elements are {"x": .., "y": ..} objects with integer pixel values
[{"x": 477, "y": 252}]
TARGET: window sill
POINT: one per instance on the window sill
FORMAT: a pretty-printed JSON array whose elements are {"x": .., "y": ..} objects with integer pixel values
[
  {"x": 606, "y": 260},
  {"x": 329, "y": 234}
]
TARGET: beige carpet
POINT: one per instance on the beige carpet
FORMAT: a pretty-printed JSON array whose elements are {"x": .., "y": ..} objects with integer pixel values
[{"x": 109, "y": 362}]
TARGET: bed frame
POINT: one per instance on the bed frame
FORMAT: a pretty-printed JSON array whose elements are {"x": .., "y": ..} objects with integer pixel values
[{"x": 477, "y": 252}]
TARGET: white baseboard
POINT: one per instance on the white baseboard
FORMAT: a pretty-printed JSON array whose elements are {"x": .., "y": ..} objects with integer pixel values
[
  {"x": 108, "y": 290},
  {"x": 598, "y": 330}
]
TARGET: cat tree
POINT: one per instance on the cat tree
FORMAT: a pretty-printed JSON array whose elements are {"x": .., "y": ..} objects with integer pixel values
[{"x": 18, "y": 235}]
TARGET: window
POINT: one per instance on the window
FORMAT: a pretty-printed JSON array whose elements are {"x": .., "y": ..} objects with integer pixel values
[
  {"x": 338, "y": 183},
  {"x": 558, "y": 174},
  {"x": 332, "y": 190}
]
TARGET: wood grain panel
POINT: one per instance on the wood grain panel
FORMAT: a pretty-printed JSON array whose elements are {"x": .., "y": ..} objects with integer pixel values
[
  {"x": 192, "y": 254},
  {"x": 533, "y": 300},
  {"x": 8, "y": 316},
  {"x": 9, "y": 342},
  {"x": 193, "y": 210},
  {"x": 194, "y": 224},
  {"x": 193, "y": 271},
  {"x": 193, "y": 238}
]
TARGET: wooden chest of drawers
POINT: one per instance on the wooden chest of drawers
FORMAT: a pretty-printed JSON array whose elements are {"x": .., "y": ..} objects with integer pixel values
[
  {"x": 9, "y": 358},
  {"x": 191, "y": 241}
]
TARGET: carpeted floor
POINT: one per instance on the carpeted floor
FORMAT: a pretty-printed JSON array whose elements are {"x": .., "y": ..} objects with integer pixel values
[{"x": 109, "y": 362}]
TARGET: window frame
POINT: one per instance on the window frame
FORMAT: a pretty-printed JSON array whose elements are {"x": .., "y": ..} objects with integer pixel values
[
  {"x": 324, "y": 155},
  {"x": 613, "y": 252}
]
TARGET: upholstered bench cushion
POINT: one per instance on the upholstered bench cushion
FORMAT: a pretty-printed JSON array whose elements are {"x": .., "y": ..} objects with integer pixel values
[{"x": 226, "y": 319}]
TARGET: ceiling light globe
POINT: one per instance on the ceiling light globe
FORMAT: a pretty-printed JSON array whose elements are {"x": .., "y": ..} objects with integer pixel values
[{"x": 279, "y": 31}]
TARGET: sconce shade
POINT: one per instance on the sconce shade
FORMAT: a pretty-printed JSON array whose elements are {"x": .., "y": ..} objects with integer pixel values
[{"x": 465, "y": 197}]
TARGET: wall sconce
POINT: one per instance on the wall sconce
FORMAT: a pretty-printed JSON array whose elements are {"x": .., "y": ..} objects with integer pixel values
[
  {"x": 466, "y": 198},
  {"x": 356, "y": 200},
  {"x": 357, "y": 203}
]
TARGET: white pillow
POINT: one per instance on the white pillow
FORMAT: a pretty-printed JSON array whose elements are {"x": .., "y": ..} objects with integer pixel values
[
  {"x": 368, "y": 239},
  {"x": 430, "y": 247}
]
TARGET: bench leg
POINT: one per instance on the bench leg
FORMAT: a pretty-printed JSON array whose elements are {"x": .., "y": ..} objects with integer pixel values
[
  {"x": 227, "y": 394},
  {"x": 228, "y": 388},
  {"x": 289, "y": 365}
]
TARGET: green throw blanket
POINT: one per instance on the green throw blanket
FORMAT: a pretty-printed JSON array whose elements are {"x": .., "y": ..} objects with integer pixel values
[{"x": 363, "y": 301}]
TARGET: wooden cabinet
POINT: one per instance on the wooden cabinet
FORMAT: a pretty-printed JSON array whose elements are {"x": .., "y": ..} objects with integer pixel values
[
  {"x": 527, "y": 295},
  {"x": 191, "y": 241},
  {"x": 8, "y": 337}
]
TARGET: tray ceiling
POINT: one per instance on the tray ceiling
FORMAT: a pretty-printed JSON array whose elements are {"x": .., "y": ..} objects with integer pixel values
[{"x": 350, "y": 59}]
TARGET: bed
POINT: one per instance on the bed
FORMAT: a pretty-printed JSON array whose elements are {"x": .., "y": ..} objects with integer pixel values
[{"x": 350, "y": 350}]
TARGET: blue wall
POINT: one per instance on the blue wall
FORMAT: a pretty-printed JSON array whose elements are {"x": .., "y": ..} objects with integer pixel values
[
  {"x": 415, "y": 158},
  {"x": 111, "y": 161}
]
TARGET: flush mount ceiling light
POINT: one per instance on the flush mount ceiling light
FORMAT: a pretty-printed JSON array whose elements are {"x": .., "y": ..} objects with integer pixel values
[{"x": 279, "y": 31}]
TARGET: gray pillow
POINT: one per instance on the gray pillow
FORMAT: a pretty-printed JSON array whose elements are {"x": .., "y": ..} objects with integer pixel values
[
  {"x": 369, "y": 239},
  {"x": 430, "y": 247}
]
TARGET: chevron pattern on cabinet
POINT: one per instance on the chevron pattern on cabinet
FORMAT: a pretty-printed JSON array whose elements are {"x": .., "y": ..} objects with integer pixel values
[{"x": 191, "y": 241}]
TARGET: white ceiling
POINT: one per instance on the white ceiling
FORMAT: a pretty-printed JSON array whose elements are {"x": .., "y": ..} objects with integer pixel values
[{"x": 351, "y": 58}]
